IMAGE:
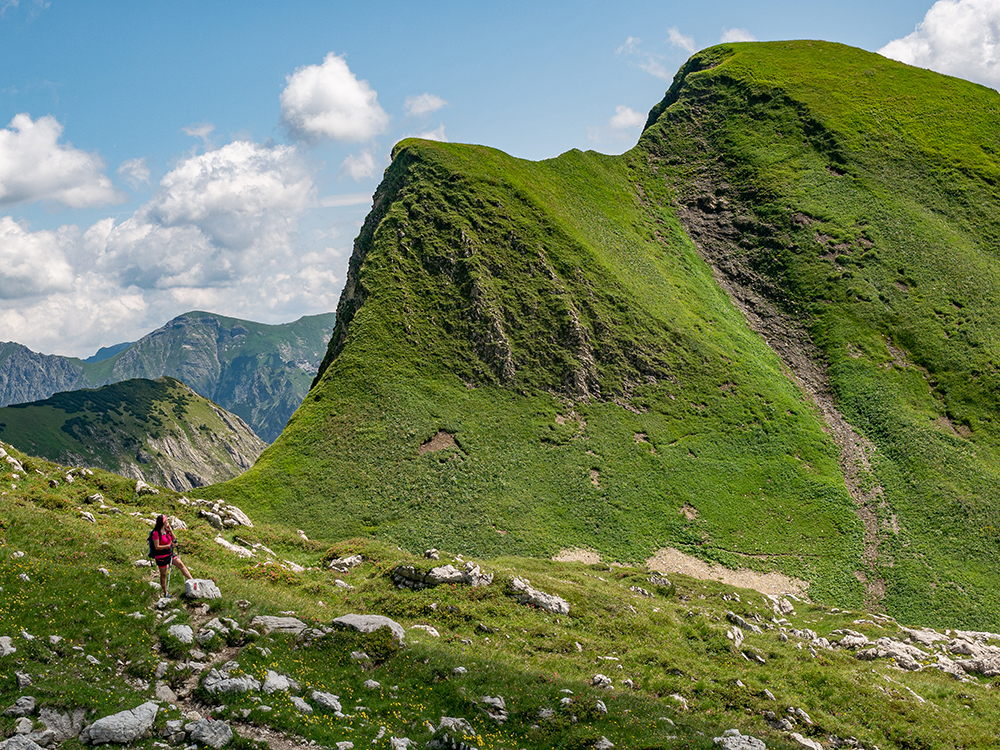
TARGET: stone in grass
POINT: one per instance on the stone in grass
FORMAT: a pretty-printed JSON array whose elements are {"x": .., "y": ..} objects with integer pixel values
[
  {"x": 370, "y": 623},
  {"x": 271, "y": 624},
  {"x": 275, "y": 682},
  {"x": 20, "y": 742},
  {"x": 371, "y": 685},
  {"x": 220, "y": 682},
  {"x": 525, "y": 594},
  {"x": 183, "y": 633},
  {"x": 604, "y": 744},
  {"x": 200, "y": 588},
  {"x": 62, "y": 724},
  {"x": 23, "y": 706},
  {"x": 300, "y": 705},
  {"x": 212, "y": 733},
  {"x": 122, "y": 727},
  {"x": 6, "y": 646},
  {"x": 327, "y": 700},
  {"x": 731, "y": 739}
]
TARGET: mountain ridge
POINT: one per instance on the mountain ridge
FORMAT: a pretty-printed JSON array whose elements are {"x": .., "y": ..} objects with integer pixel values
[
  {"x": 161, "y": 432},
  {"x": 578, "y": 328},
  {"x": 259, "y": 372}
]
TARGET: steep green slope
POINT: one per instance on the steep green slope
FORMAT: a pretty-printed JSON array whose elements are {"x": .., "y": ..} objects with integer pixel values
[
  {"x": 259, "y": 372},
  {"x": 766, "y": 336},
  {"x": 160, "y": 431},
  {"x": 598, "y": 386},
  {"x": 858, "y": 198}
]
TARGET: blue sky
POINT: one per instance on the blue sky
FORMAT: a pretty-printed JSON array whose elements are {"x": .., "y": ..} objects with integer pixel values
[{"x": 162, "y": 157}]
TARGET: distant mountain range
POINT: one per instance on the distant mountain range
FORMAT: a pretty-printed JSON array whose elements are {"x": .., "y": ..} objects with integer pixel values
[
  {"x": 259, "y": 372},
  {"x": 160, "y": 431}
]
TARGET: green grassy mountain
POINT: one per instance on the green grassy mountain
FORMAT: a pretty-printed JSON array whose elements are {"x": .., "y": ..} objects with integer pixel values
[
  {"x": 159, "y": 431},
  {"x": 765, "y": 336},
  {"x": 259, "y": 372},
  {"x": 644, "y": 662}
]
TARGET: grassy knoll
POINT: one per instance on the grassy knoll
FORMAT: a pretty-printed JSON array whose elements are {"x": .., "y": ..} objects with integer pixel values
[{"x": 158, "y": 430}]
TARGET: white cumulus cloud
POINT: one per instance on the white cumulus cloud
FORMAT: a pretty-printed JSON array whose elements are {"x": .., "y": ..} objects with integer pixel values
[
  {"x": 34, "y": 166},
  {"x": 626, "y": 118},
  {"x": 736, "y": 35},
  {"x": 328, "y": 101},
  {"x": 214, "y": 218},
  {"x": 135, "y": 172},
  {"x": 360, "y": 165},
  {"x": 33, "y": 263},
  {"x": 677, "y": 39},
  {"x": 956, "y": 37},
  {"x": 415, "y": 106},
  {"x": 434, "y": 135}
]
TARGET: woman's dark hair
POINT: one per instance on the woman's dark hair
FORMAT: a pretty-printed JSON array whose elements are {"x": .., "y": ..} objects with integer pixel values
[{"x": 159, "y": 523}]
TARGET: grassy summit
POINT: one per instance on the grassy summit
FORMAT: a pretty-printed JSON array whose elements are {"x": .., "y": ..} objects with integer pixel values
[{"x": 765, "y": 336}]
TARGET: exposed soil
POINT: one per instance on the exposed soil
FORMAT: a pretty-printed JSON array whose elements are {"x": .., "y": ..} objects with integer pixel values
[
  {"x": 577, "y": 555},
  {"x": 439, "y": 442},
  {"x": 712, "y": 223},
  {"x": 670, "y": 560}
]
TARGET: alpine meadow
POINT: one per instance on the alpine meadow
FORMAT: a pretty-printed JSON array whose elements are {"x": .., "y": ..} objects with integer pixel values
[{"x": 695, "y": 446}]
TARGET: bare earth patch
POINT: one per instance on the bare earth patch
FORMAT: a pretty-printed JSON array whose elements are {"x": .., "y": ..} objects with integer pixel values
[
  {"x": 670, "y": 560},
  {"x": 439, "y": 442},
  {"x": 689, "y": 511},
  {"x": 577, "y": 555}
]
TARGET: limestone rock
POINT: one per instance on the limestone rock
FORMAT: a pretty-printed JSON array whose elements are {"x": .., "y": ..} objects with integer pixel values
[
  {"x": 20, "y": 742},
  {"x": 63, "y": 725},
  {"x": 369, "y": 624},
  {"x": 496, "y": 708},
  {"x": 301, "y": 706},
  {"x": 731, "y": 739},
  {"x": 987, "y": 665},
  {"x": 271, "y": 624},
  {"x": 471, "y": 575},
  {"x": 212, "y": 733},
  {"x": 183, "y": 633},
  {"x": 23, "y": 706},
  {"x": 276, "y": 682},
  {"x": 6, "y": 646},
  {"x": 523, "y": 592},
  {"x": 141, "y": 488},
  {"x": 344, "y": 564},
  {"x": 199, "y": 588},
  {"x": 217, "y": 681},
  {"x": 458, "y": 725},
  {"x": 122, "y": 727},
  {"x": 805, "y": 742},
  {"x": 327, "y": 700}
]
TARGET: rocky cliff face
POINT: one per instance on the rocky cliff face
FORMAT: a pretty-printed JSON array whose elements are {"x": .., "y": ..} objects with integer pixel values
[
  {"x": 259, "y": 372},
  {"x": 159, "y": 431}
]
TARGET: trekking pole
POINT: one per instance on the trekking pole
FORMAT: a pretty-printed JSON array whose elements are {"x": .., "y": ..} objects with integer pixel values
[{"x": 170, "y": 569}]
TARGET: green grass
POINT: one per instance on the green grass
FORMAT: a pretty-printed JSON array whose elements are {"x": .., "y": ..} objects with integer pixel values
[{"x": 671, "y": 643}]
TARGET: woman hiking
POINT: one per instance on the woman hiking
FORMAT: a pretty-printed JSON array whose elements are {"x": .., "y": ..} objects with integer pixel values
[{"x": 162, "y": 540}]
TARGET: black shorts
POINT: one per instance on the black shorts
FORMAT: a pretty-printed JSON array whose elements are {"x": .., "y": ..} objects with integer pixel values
[{"x": 165, "y": 560}]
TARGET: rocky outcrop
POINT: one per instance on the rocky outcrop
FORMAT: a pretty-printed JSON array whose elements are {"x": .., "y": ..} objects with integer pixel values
[
  {"x": 369, "y": 624},
  {"x": 409, "y": 576},
  {"x": 525, "y": 594},
  {"x": 121, "y": 728}
]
